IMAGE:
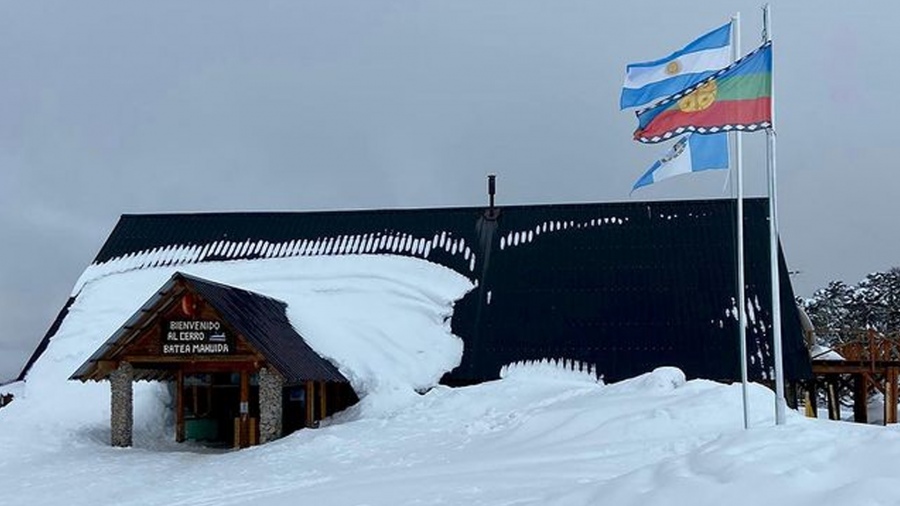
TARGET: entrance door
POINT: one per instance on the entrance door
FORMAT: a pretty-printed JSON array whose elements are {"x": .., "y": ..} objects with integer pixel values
[{"x": 212, "y": 405}]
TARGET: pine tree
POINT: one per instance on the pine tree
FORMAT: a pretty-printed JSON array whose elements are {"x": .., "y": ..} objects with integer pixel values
[{"x": 840, "y": 313}]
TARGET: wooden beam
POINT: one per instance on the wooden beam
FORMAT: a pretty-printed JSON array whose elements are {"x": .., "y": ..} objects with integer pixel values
[
  {"x": 834, "y": 404},
  {"x": 205, "y": 368},
  {"x": 179, "y": 406},
  {"x": 322, "y": 412},
  {"x": 195, "y": 359},
  {"x": 107, "y": 366},
  {"x": 851, "y": 366},
  {"x": 310, "y": 404},
  {"x": 244, "y": 409},
  {"x": 890, "y": 397}
]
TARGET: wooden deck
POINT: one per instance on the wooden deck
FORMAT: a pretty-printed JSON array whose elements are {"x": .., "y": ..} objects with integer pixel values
[{"x": 870, "y": 364}]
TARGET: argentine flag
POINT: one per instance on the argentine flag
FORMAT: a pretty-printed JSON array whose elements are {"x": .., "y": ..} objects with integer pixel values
[
  {"x": 692, "y": 153},
  {"x": 648, "y": 81}
]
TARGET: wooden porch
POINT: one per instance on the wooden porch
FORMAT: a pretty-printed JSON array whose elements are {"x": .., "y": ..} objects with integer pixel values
[{"x": 870, "y": 365}]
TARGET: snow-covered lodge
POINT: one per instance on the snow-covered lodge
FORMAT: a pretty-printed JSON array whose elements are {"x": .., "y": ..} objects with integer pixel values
[{"x": 263, "y": 322}]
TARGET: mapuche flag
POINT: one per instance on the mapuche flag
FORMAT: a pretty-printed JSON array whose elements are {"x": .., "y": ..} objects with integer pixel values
[{"x": 736, "y": 98}]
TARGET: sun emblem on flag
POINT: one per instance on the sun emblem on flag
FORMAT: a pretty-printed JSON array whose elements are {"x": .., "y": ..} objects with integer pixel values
[
  {"x": 699, "y": 99},
  {"x": 673, "y": 68}
]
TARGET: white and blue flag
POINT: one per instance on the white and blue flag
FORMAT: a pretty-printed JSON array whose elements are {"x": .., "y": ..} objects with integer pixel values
[
  {"x": 692, "y": 153},
  {"x": 648, "y": 81}
]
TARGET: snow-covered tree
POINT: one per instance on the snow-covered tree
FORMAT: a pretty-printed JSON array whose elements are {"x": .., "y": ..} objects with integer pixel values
[{"x": 841, "y": 312}]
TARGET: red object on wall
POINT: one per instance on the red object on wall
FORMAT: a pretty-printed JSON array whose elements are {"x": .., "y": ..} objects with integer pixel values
[{"x": 188, "y": 305}]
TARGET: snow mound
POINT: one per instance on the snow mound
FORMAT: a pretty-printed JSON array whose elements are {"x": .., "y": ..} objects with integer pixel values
[{"x": 661, "y": 379}]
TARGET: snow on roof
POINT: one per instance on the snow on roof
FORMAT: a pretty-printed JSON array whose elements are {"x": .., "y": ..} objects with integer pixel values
[
  {"x": 383, "y": 320},
  {"x": 353, "y": 244},
  {"x": 819, "y": 352}
]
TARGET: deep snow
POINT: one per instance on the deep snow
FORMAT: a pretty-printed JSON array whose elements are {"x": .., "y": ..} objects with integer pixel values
[
  {"x": 541, "y": 435},
  {"x": 531, "y": 438}
]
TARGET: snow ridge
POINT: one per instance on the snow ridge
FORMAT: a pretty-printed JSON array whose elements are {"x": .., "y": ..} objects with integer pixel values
[
  {"x": 359, "y": 244},
  {"x": 521, "y": 237},
  {"x": 555, "y": 368}
]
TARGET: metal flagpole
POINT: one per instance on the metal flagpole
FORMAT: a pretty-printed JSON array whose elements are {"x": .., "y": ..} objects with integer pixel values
[
  {"x": 742, "y": 306},
  {"x": 780, "y": 404}
]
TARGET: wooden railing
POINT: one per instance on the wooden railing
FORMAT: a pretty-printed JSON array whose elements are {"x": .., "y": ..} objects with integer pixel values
[
  {"x": 867, "y": 345},
  {"x": 871, "y": 362}
]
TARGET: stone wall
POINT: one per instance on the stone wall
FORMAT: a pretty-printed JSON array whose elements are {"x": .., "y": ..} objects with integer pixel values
[
  {"x": 271, "y": 385},
  {"x": 122, "y": 405}
]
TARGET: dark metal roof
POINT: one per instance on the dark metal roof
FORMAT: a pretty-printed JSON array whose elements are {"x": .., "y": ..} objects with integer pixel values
[
  {"x": 261, "y": 320},
  {"x": 627, "y": 286},
  {"x": 46, "y": 339}
]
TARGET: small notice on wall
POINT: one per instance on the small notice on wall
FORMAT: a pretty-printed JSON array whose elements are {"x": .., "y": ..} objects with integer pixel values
[{"x": 195, "y": 337}]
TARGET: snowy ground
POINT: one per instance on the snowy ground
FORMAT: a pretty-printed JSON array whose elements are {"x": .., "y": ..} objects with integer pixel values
[
  {"x": 541, "y": 435},
  {"x": 532, "y": 438}
]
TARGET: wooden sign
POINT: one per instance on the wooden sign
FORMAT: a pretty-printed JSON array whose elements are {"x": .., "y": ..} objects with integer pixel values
[{"x": 195, "y": 337}]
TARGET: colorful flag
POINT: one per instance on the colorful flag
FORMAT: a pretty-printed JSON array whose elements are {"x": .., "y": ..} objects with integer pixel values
[
  {"x": 736, "y": 98},
  {"x": 692, "y": 153},
  {"x": 648, "y": 81}
]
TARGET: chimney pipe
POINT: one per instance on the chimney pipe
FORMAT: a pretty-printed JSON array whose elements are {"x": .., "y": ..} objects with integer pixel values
[{"x": 492, "y": 189}]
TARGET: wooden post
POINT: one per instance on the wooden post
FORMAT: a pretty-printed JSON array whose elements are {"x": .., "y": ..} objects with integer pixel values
[
  {"x": 834, "y": 404},
  {"x": 244, "y": 410},
  {"x": 310, "y": 404},
  {"x": 322, "y": 412},
  {"x": 860, "y": 398},
  {"x": 179, "y": 406},
  {"x": 890, "y": 396},
  {"x": 814, "y": 396}
]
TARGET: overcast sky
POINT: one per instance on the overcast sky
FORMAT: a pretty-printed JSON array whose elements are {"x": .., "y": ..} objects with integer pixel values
[{"x": 128, "y": 107}]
